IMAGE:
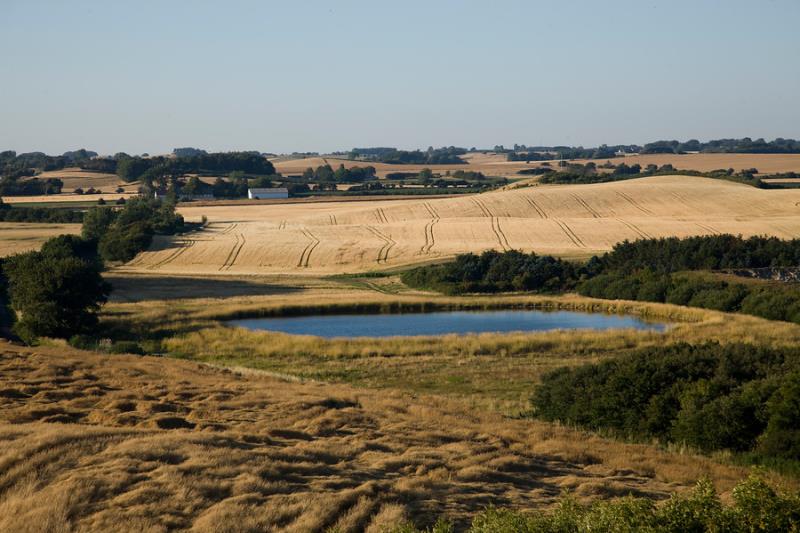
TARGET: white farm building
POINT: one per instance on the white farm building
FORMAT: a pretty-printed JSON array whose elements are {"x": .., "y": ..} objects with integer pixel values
[{"x": 268, "y": 194}]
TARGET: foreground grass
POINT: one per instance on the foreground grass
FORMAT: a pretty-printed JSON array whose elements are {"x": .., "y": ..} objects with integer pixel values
[{"x": 93, "y": 442}]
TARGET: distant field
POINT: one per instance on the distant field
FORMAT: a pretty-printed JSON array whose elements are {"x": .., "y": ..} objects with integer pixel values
[
  {"x": 489, "y": 164},
  {"x": 765, "y": 163},
  {"x": 75, "y": 177},
  {"x": 493, "y": 164},
  {"x": 570, "y": 221},
  {"x": 16, "y": 237}
]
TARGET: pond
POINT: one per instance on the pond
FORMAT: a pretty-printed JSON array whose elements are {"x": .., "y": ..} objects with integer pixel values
[{"x": 443, "y": 322}]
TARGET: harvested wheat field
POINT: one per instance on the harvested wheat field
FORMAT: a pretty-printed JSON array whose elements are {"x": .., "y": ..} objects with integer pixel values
[
  {"x": 494, "y": 164},
  {"x": 17, "y": 237},
  {"x": 489, "y": 164},
  {"x": 765, "y": 163},
  {"x": 565, "y": 220},
  {"x": 96, "y": 442},
  {"x": 76, "y": 177}
]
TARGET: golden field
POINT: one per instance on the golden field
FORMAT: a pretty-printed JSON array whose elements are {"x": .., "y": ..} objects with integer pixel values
[
  {"x": 564, "y": 220},
  {"x": 16, "y": 237},
  {"x": 493, "y": 164},
  {"x": 765, "y": 163},
  {"x": 95, "y": 442}
]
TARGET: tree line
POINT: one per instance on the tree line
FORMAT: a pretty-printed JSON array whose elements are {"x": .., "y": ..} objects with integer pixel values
[
  {"x": 712, "y": 397},
  {"x": 9, "y": 213},
  {"x": 670, "y": 270},
  {"x": 577, "y": 173},
  {"x": 745, "y": 145}
]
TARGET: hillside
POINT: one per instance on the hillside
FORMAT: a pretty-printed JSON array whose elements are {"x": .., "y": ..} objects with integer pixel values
[
  {"x": 95, "y": 442},
  {"x": 571, "y": 220}
]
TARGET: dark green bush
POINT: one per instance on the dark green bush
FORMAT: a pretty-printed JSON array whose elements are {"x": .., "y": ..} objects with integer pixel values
[
  {"x": 83, "y": 342},
  {"x": 737, "y": 397},
  {"x": 494, "y": 271},
  {"x": 120, "y": 347}
]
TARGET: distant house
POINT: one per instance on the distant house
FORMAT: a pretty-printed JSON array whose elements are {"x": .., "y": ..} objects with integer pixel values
[{"x": 268, "y": 194}]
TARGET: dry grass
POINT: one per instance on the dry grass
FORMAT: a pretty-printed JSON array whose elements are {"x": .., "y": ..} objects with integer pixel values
[
  {"x": 16, "y": 237},
  {"x": 491, "y": 371},
  {"x": 93, "y": 442},
  {"x": 571, "y": 221}
]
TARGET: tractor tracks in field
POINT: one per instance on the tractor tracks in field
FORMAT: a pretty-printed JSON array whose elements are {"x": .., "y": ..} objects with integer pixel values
[
  {"x": 305, "y": 255},
  {"x": 188, "y": 243},
  {"x": 706, "y": 227},
  {"x": 380, "y": 214},
  {"x": 571, "y": 235},
  {"x": 634, "y": 203},
  {"x": 388, "y": 244},
  {"x": 634, "y": 228},
  {"x": 539, "y": 211},
  {"x": 495, "y": 222},
  {"x": 234, "y": 253},
  {"x": 430, "y": 240},
  {"x": 589, "y": 209}
]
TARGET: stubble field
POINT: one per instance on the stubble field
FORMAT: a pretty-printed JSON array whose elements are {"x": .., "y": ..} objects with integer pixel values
[{"x": 569, "y": 221}]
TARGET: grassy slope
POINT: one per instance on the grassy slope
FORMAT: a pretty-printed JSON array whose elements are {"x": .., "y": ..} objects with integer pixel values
[
  {"x": 489, "y": 370},
  {"x": 93, "y": 442}
]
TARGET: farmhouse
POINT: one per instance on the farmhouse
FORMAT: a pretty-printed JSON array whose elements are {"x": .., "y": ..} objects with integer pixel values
[{"x": 269, "y": 193}]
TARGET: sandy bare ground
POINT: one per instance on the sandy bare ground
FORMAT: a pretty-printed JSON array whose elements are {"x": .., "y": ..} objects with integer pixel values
[
  {"x": 571, "y": 220},
  {"x": 16, "y": 237},
  {"x": 96, "y": 443}
]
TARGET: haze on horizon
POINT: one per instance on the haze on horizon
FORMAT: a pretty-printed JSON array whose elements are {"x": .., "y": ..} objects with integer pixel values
[{"x": 280, "y": 77}]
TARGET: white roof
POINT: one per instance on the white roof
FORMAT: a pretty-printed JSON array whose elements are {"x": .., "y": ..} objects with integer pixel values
[{"x": 269, "y": 190}]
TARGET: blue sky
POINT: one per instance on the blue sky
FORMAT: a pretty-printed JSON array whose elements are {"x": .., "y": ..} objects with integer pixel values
[{"x": 148, "y": 76}]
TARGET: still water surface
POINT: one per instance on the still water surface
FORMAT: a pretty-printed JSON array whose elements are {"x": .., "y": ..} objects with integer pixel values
[{"x": 443, "y": 322}]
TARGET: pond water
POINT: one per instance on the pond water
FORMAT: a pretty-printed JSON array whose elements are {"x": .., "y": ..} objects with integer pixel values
[{"x": 443, "y": 322}]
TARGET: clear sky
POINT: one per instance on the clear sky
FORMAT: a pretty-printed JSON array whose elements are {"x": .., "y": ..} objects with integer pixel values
[{"x": 148, "y": 76}]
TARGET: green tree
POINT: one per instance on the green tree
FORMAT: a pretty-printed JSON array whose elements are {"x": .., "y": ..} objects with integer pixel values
[{"x": 56, "y": 292}]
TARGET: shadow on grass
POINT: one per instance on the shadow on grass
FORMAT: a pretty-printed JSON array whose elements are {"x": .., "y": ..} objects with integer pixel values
[{"x": 142, "y": 288}]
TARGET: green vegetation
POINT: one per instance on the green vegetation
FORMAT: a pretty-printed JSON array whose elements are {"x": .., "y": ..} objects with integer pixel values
[
  {"x": 432, "y": 156},
  {"x": 667, "y": 270},
  {"x": 756, "y": 507},
  {"x": 736, "y": 397},
  {"x": 738, "y": 146},
  {"x": 326, "y": 174},
  {"x": 9, "y": 213},
  {"x": 123, "y": 233},
  {"x": 155, "y": 169},
  {"x": 575, "y": 173},
  {"x": 773, "y": 301},
  {"x": 494, "y": 271},
  {"x": 57, "y": 291}
]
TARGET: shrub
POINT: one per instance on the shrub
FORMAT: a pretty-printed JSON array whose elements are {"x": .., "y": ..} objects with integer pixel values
[
  {"x": 120, "y": 347},
  {"x": 756, "y": 507},
  {"x": 736, "y": 397}
]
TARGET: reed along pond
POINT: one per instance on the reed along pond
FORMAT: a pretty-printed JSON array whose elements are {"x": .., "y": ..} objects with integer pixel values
[{"x": 443, "y": 323}]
